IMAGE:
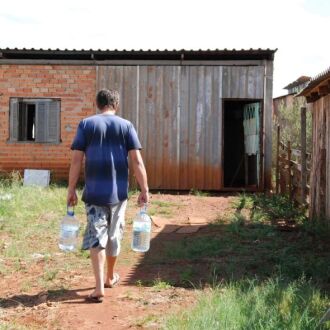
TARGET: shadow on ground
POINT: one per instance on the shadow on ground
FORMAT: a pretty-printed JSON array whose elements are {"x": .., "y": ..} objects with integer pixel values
[
  {"x": 60, "y": 295},
  {"x": 235, "y": 250}
]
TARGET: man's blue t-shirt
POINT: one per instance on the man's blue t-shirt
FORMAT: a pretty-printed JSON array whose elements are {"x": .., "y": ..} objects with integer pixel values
[{"x": 105, "y": 140}]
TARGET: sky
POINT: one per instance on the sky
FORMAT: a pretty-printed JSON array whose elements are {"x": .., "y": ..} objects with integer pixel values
[{"x": 299, "y": 29}]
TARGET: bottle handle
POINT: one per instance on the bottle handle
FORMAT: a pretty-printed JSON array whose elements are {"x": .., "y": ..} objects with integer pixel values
[
  {"x": 70, "y": 210},
  {"x": 144, "y": 208}
]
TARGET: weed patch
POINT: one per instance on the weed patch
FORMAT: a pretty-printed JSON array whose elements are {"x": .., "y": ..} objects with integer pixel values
[
  {"x": 273, "y": 304},
  {"x": 163, "y": 208},
  {"x": 159, "y": 285},
  {"x": 199, "y": 193}
]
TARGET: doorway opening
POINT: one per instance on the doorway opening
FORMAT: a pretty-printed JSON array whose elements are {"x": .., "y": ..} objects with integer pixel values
[{"x": 241, "y": 143}]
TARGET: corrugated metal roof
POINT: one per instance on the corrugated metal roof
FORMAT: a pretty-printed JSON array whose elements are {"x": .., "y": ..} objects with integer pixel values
[
  {"x": 116, "y": 54},
  {"x": 283, "y": 96},
  {"x": 299, "y": 81},
  {"x": 325, "y": 75}
]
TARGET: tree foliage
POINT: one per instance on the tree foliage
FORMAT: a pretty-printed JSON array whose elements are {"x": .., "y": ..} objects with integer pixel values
[{"x": 289, "y": 120}]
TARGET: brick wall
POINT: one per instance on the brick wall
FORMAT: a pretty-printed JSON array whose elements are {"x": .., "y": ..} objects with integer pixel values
[{"x": 74, "y": 85}]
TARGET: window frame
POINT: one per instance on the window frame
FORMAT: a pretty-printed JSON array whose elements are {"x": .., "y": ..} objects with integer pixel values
[{"x": 37, "y": 101}]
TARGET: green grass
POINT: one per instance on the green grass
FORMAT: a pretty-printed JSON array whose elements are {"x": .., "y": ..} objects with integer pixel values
[
  {"x": 187, "y": 275},
  {"x": 159, "y": 285},
  {"x": 199, "y": 193},
  {"x": 268, "y": 208},
  {"x": 29, "y": 225},
  {"x": 249, "y": 304},
  {"x": 261, "y": 278},
  {"x": 162, "y": 203},
  {"x": 162, "y": 208},
  {"x": 147, "y": 321},
  {"x": 38, "y": 211},
  {"x": 249, "y": 249},
  {"x": 50, "y": 274},
  {"x": 133, "y": 192}
]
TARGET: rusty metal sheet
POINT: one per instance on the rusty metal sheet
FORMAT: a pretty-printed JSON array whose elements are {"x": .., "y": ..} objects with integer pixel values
[
  {"x": 177, "y": 111},
  {"x": 243, "y": 82}
]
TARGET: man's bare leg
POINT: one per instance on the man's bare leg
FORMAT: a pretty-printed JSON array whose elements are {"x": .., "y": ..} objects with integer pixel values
[
  {"x": 111, "y": 261},
  {"x": 98, "y": 260}
]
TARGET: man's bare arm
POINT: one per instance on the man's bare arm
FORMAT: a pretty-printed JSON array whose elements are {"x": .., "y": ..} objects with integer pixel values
[
  {"x": 75, "y": 168},
  {"x": 141, "y": 175}
]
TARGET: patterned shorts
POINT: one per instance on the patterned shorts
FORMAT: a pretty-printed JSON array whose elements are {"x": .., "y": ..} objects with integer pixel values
[{"x": 105, "y": 227}]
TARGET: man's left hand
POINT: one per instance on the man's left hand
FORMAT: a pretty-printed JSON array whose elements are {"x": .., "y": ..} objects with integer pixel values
[{"x": 72, "y": 198}]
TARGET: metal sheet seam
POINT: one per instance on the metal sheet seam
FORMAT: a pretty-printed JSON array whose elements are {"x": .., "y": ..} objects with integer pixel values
[
  {"x": 137, "y": 96},
  {"x": 178, "y": 108},
  {"x": 96, "y": 83},
  {"x": 263, "y": 133},
  {"x": 221, "y": 116},
  {"x": 220, "y": 83}
]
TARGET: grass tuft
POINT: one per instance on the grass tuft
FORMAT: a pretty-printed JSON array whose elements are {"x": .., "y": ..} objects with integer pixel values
[
  {"x": 248, "y": 304},
  {"x": 199, "y": 193},
  {"x": 159, "y": 285}
]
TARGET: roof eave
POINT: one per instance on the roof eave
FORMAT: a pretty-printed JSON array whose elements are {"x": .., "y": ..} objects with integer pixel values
[{"x": 225, "y": 54}]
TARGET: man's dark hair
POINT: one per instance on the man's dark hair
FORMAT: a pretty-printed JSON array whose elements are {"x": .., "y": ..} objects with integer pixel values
[{"x": 107, "y": 98}]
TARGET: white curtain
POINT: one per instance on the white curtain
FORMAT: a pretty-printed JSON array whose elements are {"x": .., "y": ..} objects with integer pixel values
[
  {"x": 251, "y": 128},
  {"x": 251, "y": 125}
]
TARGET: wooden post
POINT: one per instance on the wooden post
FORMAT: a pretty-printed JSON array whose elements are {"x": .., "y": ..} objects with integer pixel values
[
  {"x": 303, "y": 155},
  {"x": 289, "y": 170},
  {"x": 278, "y": 159},
  {"x": 266, "y": 151},
  {"x": 322, "y": 193}
]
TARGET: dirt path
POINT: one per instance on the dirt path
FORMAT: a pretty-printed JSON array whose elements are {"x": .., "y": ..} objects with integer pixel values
[
  {"x": 144, "y": 296},
  {"x": 124, "y": 307}
]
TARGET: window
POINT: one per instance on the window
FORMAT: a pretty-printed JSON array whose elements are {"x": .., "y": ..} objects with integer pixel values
[{"x": 35, "y": 120}]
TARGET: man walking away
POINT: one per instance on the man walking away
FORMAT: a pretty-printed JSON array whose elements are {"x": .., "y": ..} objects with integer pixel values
[{"x": 106, "y": 140}]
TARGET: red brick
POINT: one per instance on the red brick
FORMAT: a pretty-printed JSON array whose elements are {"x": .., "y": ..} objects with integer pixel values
[{"x": 63, "y": 82}]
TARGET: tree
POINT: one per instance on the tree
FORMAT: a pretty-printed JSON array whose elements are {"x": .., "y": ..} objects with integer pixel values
[{"x": 289, "y": 120}]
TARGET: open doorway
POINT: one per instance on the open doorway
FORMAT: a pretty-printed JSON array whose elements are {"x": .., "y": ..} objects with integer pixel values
[{"x": 241, "y": 143}]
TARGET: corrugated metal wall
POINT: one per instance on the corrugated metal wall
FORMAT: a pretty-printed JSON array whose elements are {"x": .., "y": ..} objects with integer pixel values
[
  {"x": 320, "y": 171},
  {"x": 243, "y": 82},
  {"x": 177, "y": 111}
]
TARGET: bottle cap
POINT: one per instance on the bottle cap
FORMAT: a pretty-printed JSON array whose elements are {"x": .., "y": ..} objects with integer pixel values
[{"x": 70, "y": 211}]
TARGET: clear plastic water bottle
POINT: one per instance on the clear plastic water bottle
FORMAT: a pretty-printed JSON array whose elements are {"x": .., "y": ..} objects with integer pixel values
[
  {"x": 141, "y": 231},
  {"x": 69, "y": 232}
]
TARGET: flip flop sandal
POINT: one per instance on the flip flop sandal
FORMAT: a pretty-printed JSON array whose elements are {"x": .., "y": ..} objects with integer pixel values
[
  {"x": 115, "y": 281},
  {"x": 94, "y": 299}
]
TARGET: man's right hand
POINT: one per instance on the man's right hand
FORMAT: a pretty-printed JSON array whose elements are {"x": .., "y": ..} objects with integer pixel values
[
  {"x": 143, "y": 198},
  {"x": 141, "y": 176}
]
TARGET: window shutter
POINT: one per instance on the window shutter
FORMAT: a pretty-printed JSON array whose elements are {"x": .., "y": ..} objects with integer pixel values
[
  {"x": 53, "y": 122},
  {"x": 13, "y": 119},
  {"x": 41, "y": 121}
]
